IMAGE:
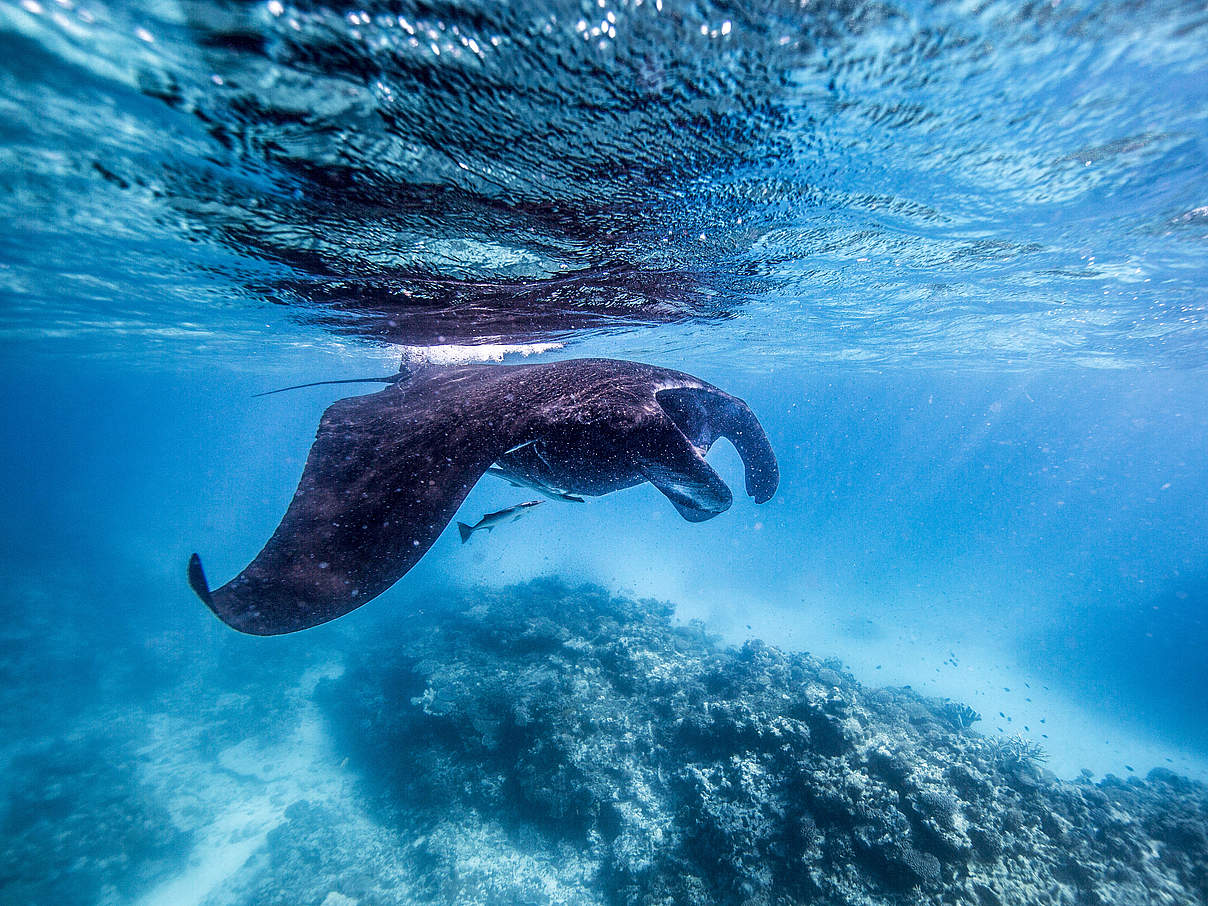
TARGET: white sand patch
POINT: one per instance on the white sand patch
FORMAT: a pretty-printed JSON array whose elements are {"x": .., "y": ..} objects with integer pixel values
[
  {"x": 233, "y": 803},
  {"x": 228, "y": 843}
]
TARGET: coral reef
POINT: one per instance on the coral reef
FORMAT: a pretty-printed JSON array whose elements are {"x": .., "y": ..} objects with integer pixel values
[
  {"x": 78, "y": 828},
  {"x": 960, "y": 714},
  {"x": 545, "y": 744}
]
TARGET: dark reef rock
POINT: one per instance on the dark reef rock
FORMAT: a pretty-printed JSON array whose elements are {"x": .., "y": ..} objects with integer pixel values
[
  {"x": 78, "y": 829},
  {"x": 545, "y": 744}
]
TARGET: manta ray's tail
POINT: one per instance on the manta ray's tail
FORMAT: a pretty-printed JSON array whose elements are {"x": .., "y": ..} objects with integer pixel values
[
  {"x": 392, "y": 379},
  {"x": 358, "y": 380},
  {"x": 465, "y": 531}
]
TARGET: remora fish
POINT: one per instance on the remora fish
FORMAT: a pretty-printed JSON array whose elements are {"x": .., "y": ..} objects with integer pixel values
[
  {"x": 551, "y": 493},
  {"x": 490, "y": 520}
]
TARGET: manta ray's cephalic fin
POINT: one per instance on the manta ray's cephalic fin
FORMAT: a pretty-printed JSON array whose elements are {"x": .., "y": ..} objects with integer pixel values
[{"x": 704, "y": 414}]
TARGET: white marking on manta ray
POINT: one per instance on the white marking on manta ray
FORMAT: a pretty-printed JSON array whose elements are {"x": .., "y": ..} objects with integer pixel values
[
  {"x": 451, "y": 354},
  {"x": 660, "y": 386},
  {"x": 549, "y": 490},
  {"x": 519, "y": 447}
]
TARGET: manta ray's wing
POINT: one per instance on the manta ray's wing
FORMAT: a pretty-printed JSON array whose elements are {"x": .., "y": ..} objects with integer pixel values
[
  {"x": 385, "y": 475},
  {"x": 704, "y": 414}
]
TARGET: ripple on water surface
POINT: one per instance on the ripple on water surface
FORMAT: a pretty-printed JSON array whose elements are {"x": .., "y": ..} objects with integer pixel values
[{"x": 871, "y": 182}]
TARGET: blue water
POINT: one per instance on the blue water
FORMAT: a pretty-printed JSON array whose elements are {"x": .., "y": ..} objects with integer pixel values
[{"x": 953, "y": 255}]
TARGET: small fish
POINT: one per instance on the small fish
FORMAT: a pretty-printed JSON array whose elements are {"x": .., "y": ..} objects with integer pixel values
[{"x": 490, "y": 520}]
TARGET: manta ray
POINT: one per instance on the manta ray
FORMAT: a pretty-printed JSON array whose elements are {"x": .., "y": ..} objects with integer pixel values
[{"x": 388, "y": 470}]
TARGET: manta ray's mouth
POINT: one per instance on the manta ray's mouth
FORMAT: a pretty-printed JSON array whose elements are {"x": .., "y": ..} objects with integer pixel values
[{"x": 697, "y": 496}]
